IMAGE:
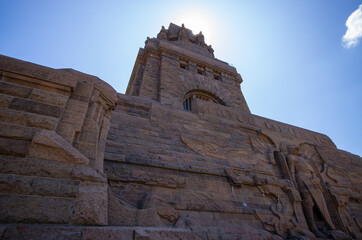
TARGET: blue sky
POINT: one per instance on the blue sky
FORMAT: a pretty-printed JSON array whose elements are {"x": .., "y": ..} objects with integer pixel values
[{"x": 289, "y": 53}]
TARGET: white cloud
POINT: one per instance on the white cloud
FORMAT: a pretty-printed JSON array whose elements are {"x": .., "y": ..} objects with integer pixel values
[{"x": 354, "y": 29}]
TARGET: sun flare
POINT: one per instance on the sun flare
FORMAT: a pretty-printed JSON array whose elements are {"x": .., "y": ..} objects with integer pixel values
[{"x": 198, "y": 22}]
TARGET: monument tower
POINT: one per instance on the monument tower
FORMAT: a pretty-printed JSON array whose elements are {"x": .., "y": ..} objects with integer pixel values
[
  {"x": 179, "y": 156},
  {"x": 178, "y": 66}
]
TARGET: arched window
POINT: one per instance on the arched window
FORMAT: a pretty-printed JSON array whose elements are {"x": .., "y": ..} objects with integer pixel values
[{"x": 200, "y": 94}]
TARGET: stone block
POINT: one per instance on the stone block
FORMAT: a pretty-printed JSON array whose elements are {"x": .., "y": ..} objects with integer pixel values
[
  {"x": 13, "y": 147},
  {"x": 85, "y": 173},
  {"x": 90, "y": 206},
  {"x": 114, "y": 157},
  {"x": 34, "y": 167},
  {"x": 40, "y": 186},
  {"x": 110, "y": 233},
  {"x": 122, "y": 215},
  {"x": 16, "y": 131},
  {"x": 39, "y": 232},
  {"x": 48, "y": 97},
  {"x": 50, "y": 146},
  {"x": 35, "y": 209},
  {"x": 89, "y": 124},
  {"x": 48, "y": 169},
  {"x": 68, "y": 129},
  {"x": 5, "y": 100},
  {"x": 27, "y": 199},
  {"x": 84, "y": 89},
  {"x": 89, "y": 137},
  {"x": 77, "y": 106},
  {"x": 36, "y": 83},
  {"x": 164, "y": 233},
  {"x": 35, "y": 107},
  {"x": 88, "y": 149},
  {"x": 55, "y": 232},
  {"x": 41, "y": 121},
  {"x": 15, "y": 90},
  {"x": 72, "y": 117},
  {"x": 36, "y": 71},
  {"x": 12, "y": 116}
]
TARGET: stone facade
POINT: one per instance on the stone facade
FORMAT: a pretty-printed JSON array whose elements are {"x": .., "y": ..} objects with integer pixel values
[{"x": 179, "y": 156}]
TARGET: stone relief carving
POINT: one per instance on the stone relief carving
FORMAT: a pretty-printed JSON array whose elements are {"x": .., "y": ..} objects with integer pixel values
[
  {"x": 280, "y": 158},
  {"x": 176, "y": 33},
  {"x": 309, "y": 187},
  {"x": 306, "y": 189},
  {"x": 291, "y": 131},
  {"x": 210, "y": 149},
  {"x": 244, "y": 119},
  {"x": 116, "y": 175},
  {"x": 163, "y": 208},
  {"x": 336, "y": 179},
  {"x": 163, "y": 35},
  {"x": 200, "y": 39},
  {"x": 182, "y": 34},
  {"x": 278, "y": 218},
  {"x": 263, "y": 145},
  {"x": 350, "y": 223}
]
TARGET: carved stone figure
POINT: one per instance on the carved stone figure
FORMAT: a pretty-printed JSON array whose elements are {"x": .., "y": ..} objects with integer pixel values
[
  {"x": 200, "y": 39},
  {"x": 221, "y": 151},
  {"x": 211, "y": 50},
  {"x": 182, "y": 34},
  {"x": 141, "y": 166},
  {"x": 163, "y": 35},
  {"x": 308, "y": 184},
  {"x": 280, "y": 157}
]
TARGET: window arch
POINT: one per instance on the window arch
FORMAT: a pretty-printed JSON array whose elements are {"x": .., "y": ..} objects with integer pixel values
[{"x": 199, "y": 94}]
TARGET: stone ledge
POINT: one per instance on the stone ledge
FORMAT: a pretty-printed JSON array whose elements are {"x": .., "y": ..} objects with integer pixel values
[
  {"x": 48, "y": 169},
  {"x": 37, "y": 71},
  {"x": 50, "y": 146},
  {"x": 66, "y": 232}
]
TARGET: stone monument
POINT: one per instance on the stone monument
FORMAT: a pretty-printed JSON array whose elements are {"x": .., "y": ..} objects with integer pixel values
[{"x": 179, "y": 156}]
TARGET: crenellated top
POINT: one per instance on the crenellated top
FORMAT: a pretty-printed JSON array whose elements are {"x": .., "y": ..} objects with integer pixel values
[
  {"x": 184, "y": 37},
  {"x": 178, "y": 66}
]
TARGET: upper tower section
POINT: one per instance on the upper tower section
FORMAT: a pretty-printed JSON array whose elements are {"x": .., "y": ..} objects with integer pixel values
[{"x": 178, "y": 66}]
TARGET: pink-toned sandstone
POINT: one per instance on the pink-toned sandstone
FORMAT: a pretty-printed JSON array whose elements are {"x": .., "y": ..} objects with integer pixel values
[{"x": 179, "y": 156}]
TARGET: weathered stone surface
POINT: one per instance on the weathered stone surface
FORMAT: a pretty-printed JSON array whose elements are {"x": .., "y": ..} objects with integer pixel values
[
  {"x": 5, "y": 100},
  {"x": 90, "y": 206},
  {"x": 111, "y": 233},
  {"x": 48, "y": 169},
  {"x": 36, "y": 71},
  {"x": 35, "y": 209},
  {"x": 41, "y": 233},
  {"x": 40, "y": 121},
  {"x": 35, "y": 107},
  {"x": 14, "y": 147},
  {"x": 55, "y": 232},
  {"x": 49, "y": 145},
  {"x": 123, "y": 214},
  {"x": 16, "y": 131},
  {"x": 15, "y": 90},
  {"x": 40, "y": 186},
  {"x": 179, "y": 157},
  {"x": 47, "y": 97}
]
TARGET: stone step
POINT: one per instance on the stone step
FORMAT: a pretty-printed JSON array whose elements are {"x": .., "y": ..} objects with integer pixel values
[
  {"x": 49, "y": 169},
  {"x": 39, "y": 186},
  {"x": 66, "y": 232}
]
